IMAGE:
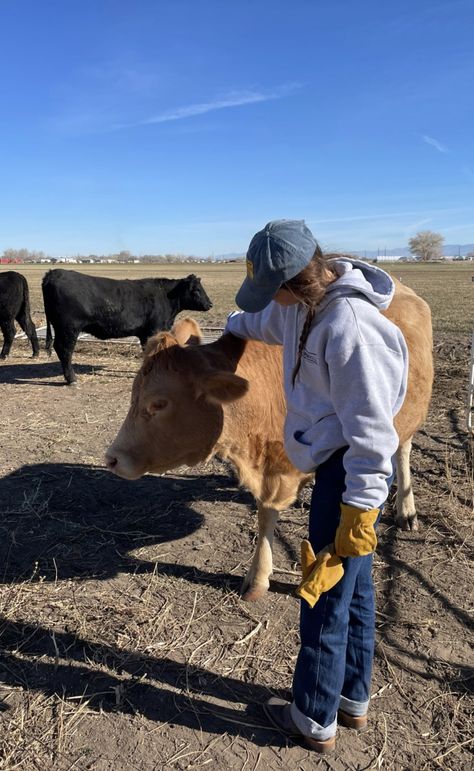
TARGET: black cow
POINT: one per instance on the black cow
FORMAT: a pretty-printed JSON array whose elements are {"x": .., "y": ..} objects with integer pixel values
[
  {"x": 108, "y": 307},
  {"x": 15, "y": 305}
]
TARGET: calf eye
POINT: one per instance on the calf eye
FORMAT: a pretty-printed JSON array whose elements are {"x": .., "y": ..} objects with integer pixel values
[{"x": 157, "y": 405}]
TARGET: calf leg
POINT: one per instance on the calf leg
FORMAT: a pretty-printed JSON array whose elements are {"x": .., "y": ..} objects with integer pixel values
[
  {"x": 406, "y": 517},
  {"x": 8, "y": 329},
  {"x": 64, "y": 344},
  {"x": 25, "y": 322},
  {"x": 257, "y": 579}
]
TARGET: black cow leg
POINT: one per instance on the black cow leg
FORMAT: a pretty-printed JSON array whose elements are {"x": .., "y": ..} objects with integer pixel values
[
  {"x": 29, "y": 329},
  {"x": 8, "y": 329},
  {"x": 64, "y": 347}
]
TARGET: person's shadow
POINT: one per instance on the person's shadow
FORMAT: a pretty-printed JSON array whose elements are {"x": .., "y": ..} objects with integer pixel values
[
  {"x": 60, "y": 521},
  {"x": 115, "y": 680}
]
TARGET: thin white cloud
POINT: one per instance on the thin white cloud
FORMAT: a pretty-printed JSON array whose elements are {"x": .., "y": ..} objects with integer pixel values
[
  {"x": 385, "y": 215},
  {"x": 231, "y": 99},
  {"x": 415, "y": 226},
  {"x": 434, "y": 143},
  {"x": 467, "y": 226}
]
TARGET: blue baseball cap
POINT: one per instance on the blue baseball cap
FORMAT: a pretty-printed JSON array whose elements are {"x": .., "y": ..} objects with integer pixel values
[{"x": 276, "y": 253}]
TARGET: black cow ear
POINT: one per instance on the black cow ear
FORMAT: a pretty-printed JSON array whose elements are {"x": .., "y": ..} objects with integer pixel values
[{"x": 222, "y": 387}]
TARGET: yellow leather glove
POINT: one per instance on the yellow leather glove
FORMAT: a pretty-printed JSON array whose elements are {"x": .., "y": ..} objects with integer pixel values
[
  {"x": 321, "y": 572},
  {"x": 355, "y": 536}
]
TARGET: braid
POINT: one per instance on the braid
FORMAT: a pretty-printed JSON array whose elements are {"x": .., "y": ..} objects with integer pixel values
[
  {"x": 309, "y": 287},
  {"x": 303, "y": 337}
]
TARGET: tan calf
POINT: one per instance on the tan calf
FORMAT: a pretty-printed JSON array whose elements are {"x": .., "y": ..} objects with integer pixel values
[{"x": 226, "y": 399}]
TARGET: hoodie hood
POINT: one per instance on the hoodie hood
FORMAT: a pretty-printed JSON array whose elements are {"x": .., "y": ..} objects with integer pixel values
[{"x": 357, "y": 277}]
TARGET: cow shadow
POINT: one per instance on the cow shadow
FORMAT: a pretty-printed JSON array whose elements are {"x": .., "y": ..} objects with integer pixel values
[
  {"x": 39, "y": 371},
  {"x": 63, "y": 521}
]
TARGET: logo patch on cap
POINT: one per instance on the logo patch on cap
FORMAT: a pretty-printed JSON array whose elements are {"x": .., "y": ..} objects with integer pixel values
[{"x": 249, "y": 269}]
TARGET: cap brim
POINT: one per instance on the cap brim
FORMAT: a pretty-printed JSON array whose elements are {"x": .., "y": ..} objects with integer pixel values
[{"x": 252, "y": 298}]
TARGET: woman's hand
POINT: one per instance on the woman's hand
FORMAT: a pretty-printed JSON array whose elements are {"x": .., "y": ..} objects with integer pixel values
[
  {"x": 321, "y": 572},
  {"x": 355, "y": 536}
]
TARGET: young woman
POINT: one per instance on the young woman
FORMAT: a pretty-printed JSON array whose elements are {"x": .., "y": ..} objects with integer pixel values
[{"x": 345, "y": 373}]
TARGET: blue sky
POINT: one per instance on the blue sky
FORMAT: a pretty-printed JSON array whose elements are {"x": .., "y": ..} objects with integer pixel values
[{"x": 184, "y": 125}]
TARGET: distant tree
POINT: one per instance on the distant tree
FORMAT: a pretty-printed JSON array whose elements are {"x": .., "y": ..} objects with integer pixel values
[{"x": 426, "y": 245}]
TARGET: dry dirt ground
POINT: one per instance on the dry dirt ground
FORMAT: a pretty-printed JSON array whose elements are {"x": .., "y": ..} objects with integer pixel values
[{"x": 124, "y": 643}]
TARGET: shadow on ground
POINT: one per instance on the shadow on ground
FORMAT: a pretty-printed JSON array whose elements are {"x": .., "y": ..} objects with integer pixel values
[
  {"x": 60, "y": 521},
  {"x": 40, "y": 371},
  {"x": 24, "y": 648}
]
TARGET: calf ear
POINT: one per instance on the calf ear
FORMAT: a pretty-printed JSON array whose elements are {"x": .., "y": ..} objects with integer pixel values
[
  {"x": 222, "y": 387},
  {"x": 158, "y": 343},
  {"x": 187, "y": 331},
  {"x": 154, "y": 346}
]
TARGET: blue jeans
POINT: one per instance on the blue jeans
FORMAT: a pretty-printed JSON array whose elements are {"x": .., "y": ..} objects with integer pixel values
[{"x": 334, "y": 664}]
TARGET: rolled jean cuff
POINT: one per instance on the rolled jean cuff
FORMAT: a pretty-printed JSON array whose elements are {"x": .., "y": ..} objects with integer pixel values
[
  {"x": 353, "y": 708},
  {"x": 310, "y": 727}
]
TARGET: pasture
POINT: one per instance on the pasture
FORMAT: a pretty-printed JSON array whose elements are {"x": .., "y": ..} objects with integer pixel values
[{"x": 123, "y": 641}]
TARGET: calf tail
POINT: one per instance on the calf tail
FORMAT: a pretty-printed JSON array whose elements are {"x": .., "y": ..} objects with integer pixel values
[
  {"x": 49, "y": 337},
  {"x": 25, "y": 321},
  {"x": 49, "y": 333}
]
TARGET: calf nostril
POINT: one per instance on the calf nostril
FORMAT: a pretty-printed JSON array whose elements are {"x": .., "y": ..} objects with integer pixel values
[{"x": 110, "y": 461}]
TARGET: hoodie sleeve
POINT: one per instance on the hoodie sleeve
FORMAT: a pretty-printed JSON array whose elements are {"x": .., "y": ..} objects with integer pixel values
[
  {"x": 367, "y": 387},
  {"x": 267, "y": 325}
]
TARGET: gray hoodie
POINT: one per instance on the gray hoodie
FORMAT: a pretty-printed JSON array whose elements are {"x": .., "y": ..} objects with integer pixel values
[{"x": 352, "y": 379}]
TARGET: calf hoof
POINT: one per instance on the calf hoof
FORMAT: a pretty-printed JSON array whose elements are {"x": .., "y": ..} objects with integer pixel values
[
  {"x": 71, "y": 382},
  {"x": 3, "y": 356},
  {"x": 408, "y": 523},
  {"x": 251, "y": 592},
  {"x": 35, "y": 355}
]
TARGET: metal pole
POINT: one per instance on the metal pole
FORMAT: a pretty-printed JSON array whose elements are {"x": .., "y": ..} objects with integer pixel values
[{"x": 470, "y": 398}]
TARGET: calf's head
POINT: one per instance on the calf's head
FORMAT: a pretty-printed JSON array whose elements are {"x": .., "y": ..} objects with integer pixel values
[{"x": 176, "y": 414}]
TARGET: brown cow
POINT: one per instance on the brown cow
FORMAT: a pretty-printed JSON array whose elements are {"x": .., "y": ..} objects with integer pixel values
[{"x": 226, "y": 398}]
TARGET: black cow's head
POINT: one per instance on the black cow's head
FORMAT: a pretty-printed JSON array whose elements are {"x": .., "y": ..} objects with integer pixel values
[{"x": 191, "y": 294}]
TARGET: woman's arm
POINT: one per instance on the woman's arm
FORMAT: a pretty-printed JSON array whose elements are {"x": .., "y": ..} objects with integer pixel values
[{"x": 267, "y": 325}]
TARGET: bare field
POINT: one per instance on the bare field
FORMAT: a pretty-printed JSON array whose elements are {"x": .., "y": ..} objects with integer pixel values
[
  {"x": 123, "y": 642},
  {"x": 448, "y": 288}
]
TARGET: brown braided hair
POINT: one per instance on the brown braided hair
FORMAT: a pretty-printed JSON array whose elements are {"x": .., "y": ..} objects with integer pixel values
[{"x": 309, "y": 287}]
